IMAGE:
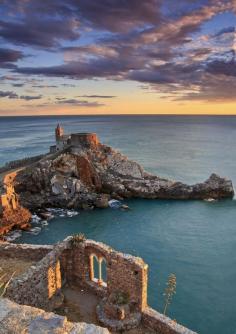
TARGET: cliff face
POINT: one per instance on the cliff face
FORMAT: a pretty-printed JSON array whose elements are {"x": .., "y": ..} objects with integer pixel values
[
  {"x": 12, "y": 214},
  {"x": 88, "y": 175}
]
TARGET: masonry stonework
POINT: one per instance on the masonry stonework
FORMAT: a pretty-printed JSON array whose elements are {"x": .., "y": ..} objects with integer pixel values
[{"x": 123, "y": 295}]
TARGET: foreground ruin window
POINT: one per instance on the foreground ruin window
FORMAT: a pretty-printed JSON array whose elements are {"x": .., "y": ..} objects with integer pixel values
[{"x": 98, "y": 270}]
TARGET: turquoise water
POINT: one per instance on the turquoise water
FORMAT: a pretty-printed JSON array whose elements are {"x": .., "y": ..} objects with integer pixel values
[{"x": 195, "y": 240}]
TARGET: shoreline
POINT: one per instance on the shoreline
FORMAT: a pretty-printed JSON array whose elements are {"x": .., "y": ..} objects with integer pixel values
[{"x": 81, "y": 173}]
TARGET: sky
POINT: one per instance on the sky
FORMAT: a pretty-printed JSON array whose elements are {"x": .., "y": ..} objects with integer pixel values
[{"x": 117, "y": 57}]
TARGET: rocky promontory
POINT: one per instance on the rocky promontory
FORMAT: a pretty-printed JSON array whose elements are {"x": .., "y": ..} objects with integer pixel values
[{"x": 89, "y": 173}]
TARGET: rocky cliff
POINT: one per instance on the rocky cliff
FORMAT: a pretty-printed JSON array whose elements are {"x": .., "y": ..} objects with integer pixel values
[
  {"x": 89, "y": 175},
  {"x": 12, "y": 214}
]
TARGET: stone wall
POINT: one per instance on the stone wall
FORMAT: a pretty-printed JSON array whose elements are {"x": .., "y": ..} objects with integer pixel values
[
  {"x": 84, "y": 139},
  {"x": 20, "y": 163},
  {"x": 40, "y": 286},
  {"x": 24, "y": 251},
  {"x": 162, "y": 324},
  {"x": 71, "y": 262},
  {"x": 125, "y": 273}
]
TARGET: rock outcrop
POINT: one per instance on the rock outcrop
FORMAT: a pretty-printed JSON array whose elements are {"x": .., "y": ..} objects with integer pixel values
[
  {"x": 15, "y": 318},
  {"x": 12, "y": 214},
  {"x": 89, "y": 175}
]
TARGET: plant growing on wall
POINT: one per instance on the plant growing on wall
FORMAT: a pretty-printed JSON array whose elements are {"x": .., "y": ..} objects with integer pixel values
[
  {"x": 3, "y": 283},
  {"x": 170, "y": 290},
  {"x": 121, "y": 298},
  {"x": 77, "y": 239}
]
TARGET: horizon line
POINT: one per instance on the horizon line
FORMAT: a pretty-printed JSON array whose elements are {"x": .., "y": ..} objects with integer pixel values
[{"x": 131, "y": 114}]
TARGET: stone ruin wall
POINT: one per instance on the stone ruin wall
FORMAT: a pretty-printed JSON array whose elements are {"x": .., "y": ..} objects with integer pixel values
[
  {"x": 24, "y": 251},
  {"x": 124, "y": 272},
  {"x": 41, "y": 285}
]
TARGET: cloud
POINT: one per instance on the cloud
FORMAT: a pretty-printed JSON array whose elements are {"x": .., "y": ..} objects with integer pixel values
[
  {"x": 46, "y": 24},
  {"x": 225, "y": 67},
  {"x": 120, "y": 16},
  {"x": 30, "y": 97},
  {"x": 44, "y": 86},
  {"x": 225, "y": 31},
  {"x": 10, "y": 95},
  {"x": 158, "y": 43},
  {"x": 39, "y": 31},
  {"x": 80, "y": 103},
  {"x": 9, "y": 56},
  {"x": 98, "y": 96},
  {"x": 18, "y": 85},
  {"x": 13, "y": 95},
  {"x": 91, "y": 68}
]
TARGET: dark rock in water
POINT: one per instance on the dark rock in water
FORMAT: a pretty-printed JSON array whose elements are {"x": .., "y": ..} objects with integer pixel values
[
  {"x": 45, "y": 215},
  {"x": 125, "y": 207},
  {"x": 87, "y": 176},
  {"x": 102, "y": 201}
]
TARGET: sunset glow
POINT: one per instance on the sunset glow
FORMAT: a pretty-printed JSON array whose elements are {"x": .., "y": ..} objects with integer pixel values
[{"x": 117, "y": 57}]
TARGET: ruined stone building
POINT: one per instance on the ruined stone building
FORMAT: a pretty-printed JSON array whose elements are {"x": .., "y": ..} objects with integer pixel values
[
  {"x": 75, "y": 139},
  {"x": 121, "y": 287}
]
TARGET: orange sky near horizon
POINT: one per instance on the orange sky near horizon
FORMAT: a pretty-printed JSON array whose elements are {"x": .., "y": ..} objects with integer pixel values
[
  {"x": 121, "y": 57},
  {"x": 123, "y": 106}
]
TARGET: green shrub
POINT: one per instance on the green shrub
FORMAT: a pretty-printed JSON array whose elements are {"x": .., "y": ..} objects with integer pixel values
[
  {"x": 121, "y": 298},
  {"x": 77, "y": 239}
]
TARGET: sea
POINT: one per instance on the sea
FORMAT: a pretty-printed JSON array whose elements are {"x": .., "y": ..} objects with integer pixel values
[{"x": 195, "y": 240}]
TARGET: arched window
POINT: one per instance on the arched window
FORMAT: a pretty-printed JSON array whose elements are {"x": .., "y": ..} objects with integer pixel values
[
  {"x": 98, "y": 270},
  {"x": 104, "y": 270}
]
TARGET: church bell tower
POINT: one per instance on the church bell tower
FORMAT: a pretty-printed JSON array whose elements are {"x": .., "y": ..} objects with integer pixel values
[{"x": 59, "y": 132}]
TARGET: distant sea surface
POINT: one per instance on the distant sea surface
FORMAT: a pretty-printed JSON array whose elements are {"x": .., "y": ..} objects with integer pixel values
[{"x": 196, "y": 240}]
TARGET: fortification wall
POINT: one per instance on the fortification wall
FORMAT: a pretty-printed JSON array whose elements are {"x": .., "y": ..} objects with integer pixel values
[
  {"x": 20, "y": 163},
  {"x": 84, "y": 139}
]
